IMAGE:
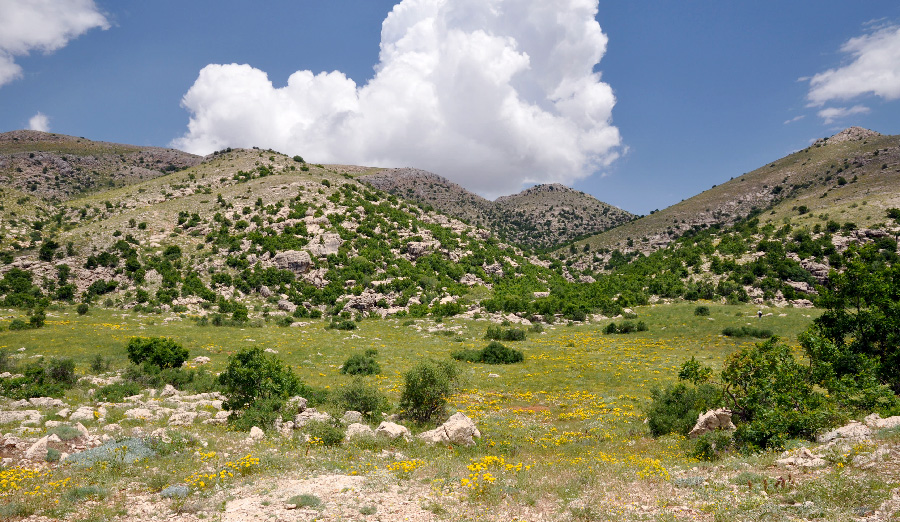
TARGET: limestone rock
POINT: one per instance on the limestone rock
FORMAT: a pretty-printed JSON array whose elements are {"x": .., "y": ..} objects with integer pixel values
[
  {"x": 310, "y": 414},
  {"x": 297, "y": 261},
  {"x": 352, "y": 417},
  {"x": 326, "y": 245},
  {"x": 38, "y": 450},
  {"x": 459, "y": 429},
  {"x": 392, "y": 431},
  {"x": 296, "y": 404},
  {"x": 287, "y": 306},
  {"x": 201, "y": 360},
  {"x": 184, "y": 418},
  {"x": 256, "y": 434},
  {"x": 84, "y": 413},
  {"x": 712, "y": 420},
  {"x": 875, "y": 421},
  {"x": 855, "y": 431},
  {"x": 357, "y": 430},
  {"x": 802, "y": 458}
]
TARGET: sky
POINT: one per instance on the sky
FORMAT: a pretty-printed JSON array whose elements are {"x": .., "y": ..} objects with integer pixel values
[{"x": 640, "y": 104}]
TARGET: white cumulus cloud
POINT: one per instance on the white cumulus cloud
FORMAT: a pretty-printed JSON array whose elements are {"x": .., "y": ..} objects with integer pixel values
[
  {"x": 493, "y": 94},
  {"x": 831, "y": 114},
  {"x": 39, "y": 122},
  {"x": 43, "y": 25},
  {"x": 875, "y": 69}
]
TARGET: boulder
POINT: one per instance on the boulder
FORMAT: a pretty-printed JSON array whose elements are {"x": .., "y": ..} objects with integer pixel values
[
  {"x": 712, "y": 420},
  {"x": 287, "y": 306},
  {"x": 38, "y": 450},
  {"x": 184, "y": 418},
  {"x": 24, "y": 417},
  {"x": 459, "y": 429},
  {"x": 256, "y": 434},
  {"x": 310, "y": 414},
  {"x": 139, "y": 413},
  {"x": 326, "y": 245},
  {"x": 297, "y": 261},
  {"x": 357, "y": 431},
  {"x": 296, "y": 404},
  {"x": 201, "y": 359},
  {"x": 168, "y": 391},
  {"x": 352, "y": 417},
  {"x": 391, "y": 431},
  {"x": 84, "y": 413},
  {"x": 46, "y": 402}
]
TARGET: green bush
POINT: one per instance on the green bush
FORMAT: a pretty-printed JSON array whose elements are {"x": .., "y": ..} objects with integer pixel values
[
  {"x": 361, "y": 364},
  {"x": 257, "y": 386},
  {"x": 493, "y": 353},
  {"x": 62, "y": 371},
  {"x": 701, "y": 311},
  {"x": 359, "y": 396},
  {"x": 711, "y": 445},
  {"x": 497, "y": 333},
  {"x": 331, "y": 433},
  {"x": 345, "y": 324},
  {"x": 625, "y": 327},
  {"x": 746, "y": 331},
  {"x": 117, "y": 391},
  {"x": 675, "y": 408},
  {"x": 82, "y": 308},
  {"x": 426, "y": 389},
  {"x": 160, "y": 352}
]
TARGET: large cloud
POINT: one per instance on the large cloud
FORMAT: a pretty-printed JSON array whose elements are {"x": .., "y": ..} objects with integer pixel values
[
  {"x": 493, "y": 94},
  {"x": 875, "y": 69},
  {"x": 39, "y": 122},
  {"x": 43, "y": 25}
]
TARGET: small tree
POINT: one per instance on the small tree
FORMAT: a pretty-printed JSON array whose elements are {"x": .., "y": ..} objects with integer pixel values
[
  {"x": 159, "y": 352},
  {"x": 426, "y": 389},
  {"x": 251, "y": 377}
]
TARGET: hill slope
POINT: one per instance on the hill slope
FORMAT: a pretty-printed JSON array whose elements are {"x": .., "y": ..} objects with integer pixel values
[
  {"x": 543, "y": 216},
  {"x": 852, "y": 176}
]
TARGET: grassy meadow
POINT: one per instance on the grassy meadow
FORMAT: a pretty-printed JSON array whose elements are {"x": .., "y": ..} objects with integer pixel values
[{"x": 562, "y": 433}]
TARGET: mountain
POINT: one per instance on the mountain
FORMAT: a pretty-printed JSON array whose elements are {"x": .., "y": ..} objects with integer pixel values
[
  {"x": 58, "y": 167},
  {"x": 543, "y": 216},
  {"x": 853, "y": 176}
]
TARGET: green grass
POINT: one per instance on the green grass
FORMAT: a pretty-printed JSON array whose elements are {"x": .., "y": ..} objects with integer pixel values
[{"x": 567, "y": 422}]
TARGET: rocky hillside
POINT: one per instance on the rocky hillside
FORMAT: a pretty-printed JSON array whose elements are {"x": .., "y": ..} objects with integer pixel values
[
  {"x": 542, "y": 217},
  {"x": 58, "y": 167},
  {"x": 852, "y": 176}
]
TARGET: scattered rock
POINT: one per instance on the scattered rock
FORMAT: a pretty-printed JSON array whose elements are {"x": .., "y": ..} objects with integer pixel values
[
  {"x": 310, "y": 414},
  {"x": 802, "y": 458},
  {"x": 875, "y": 421},
  {"x": 256, "y": 434},
  {"x": 392, "y": 431},
  {"x": 459, "y": 429},
  {"x": 357, "y": 430},
  {"x": 352, "y": 417},
  {"x": 855, "y": 431},
  {"x": 712, "y": 420},
  {"x": 38, "y": 450}
]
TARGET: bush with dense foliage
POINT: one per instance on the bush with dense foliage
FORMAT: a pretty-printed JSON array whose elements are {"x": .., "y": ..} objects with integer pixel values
[
  {"x": 675, "y": 408},
  {"x": 159, "y": 352},
  {"x": 426, "y": 389},
  {"x": 361, "y": 397},
  {"x": 497, "y": 333},
  {"x": 625, "y": 327},
  {"x": 362, "y": 364},
  {"x": 40, "y": 379},
  {"x": 746, "y": 331},
  {"x": 493, "y": 353}
]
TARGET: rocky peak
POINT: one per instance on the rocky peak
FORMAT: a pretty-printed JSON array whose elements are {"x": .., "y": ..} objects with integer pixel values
[{"x": 849, "y": 134}]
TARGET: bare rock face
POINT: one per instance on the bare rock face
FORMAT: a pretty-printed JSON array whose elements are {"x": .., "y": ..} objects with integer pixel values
[
  {"x": 297, "y": 261},
  {"x": 802, "y": 458},
  {"x": 712, "y": 420},
  {"x": 849, "y": 134},
  {"x": 310, "y": 414},
  {"x": 876, "y": 422},
  {"x": 296, "y": 404},
  {"x": 365, "y": 301},
  {"x": 326, "y": 245},
  {"x": 459, "y": 429}
]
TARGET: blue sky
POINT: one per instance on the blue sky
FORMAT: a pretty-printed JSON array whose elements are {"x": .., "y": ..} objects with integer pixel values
[{"x": 495, "y": 94}]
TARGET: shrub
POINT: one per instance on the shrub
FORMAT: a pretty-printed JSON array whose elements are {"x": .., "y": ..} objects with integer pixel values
[
  {"x": 345, "y": 324},
  {"x": 711, "y": 445},
  {"x": 18, "y": 324},
  {"x": 331, "y": 433},
  {"x": 99, "y": 364},
  {"x": 358, "y": 396},
  {"x": 493, "y": 353},
  {"x": 82, "y": 308},
  {"x": 675, "y": 408},
  {"x": 746, "y": 331},
  {"x": 361, "y": 364},
  {"x": 62, "y": 371},
  {"x": 257, "y": 386},
  {"x": 160, "y": 352},
  {"x": 497, "y": 333},
  {"x": 625, "y": 327},
  {"x": 701, "y": 311},
  {"x": 426, "y": 389},
  {"x": 117, "y": 391},
  {"x": 305, "y": 501}
]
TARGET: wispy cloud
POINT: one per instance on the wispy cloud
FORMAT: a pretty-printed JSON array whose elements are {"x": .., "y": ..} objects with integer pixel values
[
  {"x": 794, "y": 119},
  {"x": 493, "y": 95},
  {"x": 42, "y": 25},
  {"x": 874, "y": 69},
  {"x": 831, "y": 114}
]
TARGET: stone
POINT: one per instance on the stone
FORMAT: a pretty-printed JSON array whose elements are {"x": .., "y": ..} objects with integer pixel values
[
  {"x": 168, "y": 391},
  {"x": 184, "y": 418},
  {"x": 84, "y": 413},
  {"x": 357, "y": 430},
  {"x": 392, "y": 431},
  {"x": 81, "y": 429},
  {"x": 265, "y": 292},
  {"x": 256, "y": 434},
  {"x": 712, "y": 420},
  {"x": 46, "y": 402},
  {"x": 63, "y": 413},
  {"x": 296, "y": 404},
  {"x": 310, "y": 414},
  {"x": 23, "y": 416},
  {"x": 139, "y": 413},
  {"x": 201, "y": 360},
  {"x": 854, "y": 431},
  {"x": 459, "y": 429},
  {"x": 287, "y": 306},
  {"x": 874, "y": 421},
  {"x": 38, "y": 450},
  {"x": 325, "y": 245},
  {"x": 352, "y": 417},
  {"x": 802, "y": 458},
  {"x": 297, "y": 261}
]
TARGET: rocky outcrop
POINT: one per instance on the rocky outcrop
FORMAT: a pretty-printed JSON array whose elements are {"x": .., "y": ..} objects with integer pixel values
[
  {"x": 297, "y": 261},
  {"x": 459, "y": 429},
  {"x": 392, "y": 431}
]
